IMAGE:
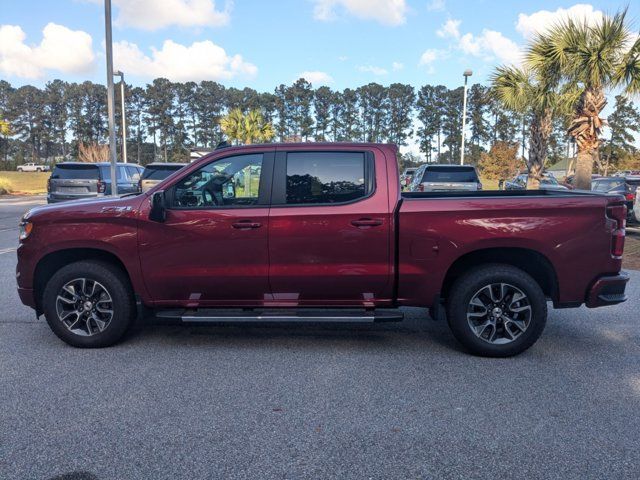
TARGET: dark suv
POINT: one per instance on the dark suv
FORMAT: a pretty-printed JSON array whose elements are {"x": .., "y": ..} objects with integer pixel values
[{"x": 75, "y": 180}]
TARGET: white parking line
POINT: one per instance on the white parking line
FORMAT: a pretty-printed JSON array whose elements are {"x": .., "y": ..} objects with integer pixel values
[{"x": 7, "y": 250}]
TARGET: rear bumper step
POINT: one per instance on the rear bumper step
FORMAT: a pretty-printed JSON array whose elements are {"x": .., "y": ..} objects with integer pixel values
[
  {"x": 279, "y": 315},
  {"x": 608, "y": 290}
]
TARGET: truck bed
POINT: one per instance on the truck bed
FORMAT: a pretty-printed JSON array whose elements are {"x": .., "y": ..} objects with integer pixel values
[{"x": 560, "y": 226}]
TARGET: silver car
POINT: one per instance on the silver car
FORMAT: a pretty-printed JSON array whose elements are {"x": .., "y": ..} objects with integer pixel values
[
  {"x": 442, "y": 178},
  {"x": 155, "y": 172}
]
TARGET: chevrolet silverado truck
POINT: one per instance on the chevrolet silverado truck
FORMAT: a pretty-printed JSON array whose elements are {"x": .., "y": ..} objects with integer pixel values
[{"x": 319, "y": 232}]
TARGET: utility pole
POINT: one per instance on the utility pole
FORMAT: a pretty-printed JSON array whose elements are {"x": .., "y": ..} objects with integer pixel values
[
  {"x": 123, "y": 116},
  {"x": 467, "y": 74},
  {"x": 113, "y": 154}
]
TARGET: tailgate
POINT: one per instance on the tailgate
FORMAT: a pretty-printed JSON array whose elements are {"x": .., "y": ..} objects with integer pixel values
[
  {"x": 74, "y": 186},
  {"x": 75, "y": 179}
]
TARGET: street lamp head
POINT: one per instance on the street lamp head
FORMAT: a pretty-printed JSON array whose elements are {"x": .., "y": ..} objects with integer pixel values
[
  {"x": 468, "y": 73},
  {"x": 118, "y": 73}
]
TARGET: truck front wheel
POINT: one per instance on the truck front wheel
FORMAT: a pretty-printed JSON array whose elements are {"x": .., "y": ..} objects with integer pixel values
[
  {"x": 496, "y": 310},
  {"x": 89, "y": 304}
]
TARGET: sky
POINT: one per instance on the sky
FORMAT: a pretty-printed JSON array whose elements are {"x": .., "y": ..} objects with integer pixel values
[{"x": 261, "y": 44}]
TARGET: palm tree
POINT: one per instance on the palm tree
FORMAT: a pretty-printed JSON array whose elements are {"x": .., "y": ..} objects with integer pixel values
[
  {"x": 232, "y": 125},
  {"x": 256, "y": 129},
  {"x": 520, "y": 91},
  {"x": 246, "y": 129},
  {"x": 593, "y": 58}
]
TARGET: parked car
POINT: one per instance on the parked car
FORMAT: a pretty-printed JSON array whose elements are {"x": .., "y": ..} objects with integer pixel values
[
  {"x": 407, "y": 177},
  {"x": 76, "y": 180},
  {"x": 155, "y": 172},
  {"x": 547, "y": 182},
  {"x": 568, "y": 181},
  {"x": 626, "y": 186},
  {"x": 32, "y": 167},
  {"x": 439, "y": 178},
  {"x": 636, "y": 206},
  {"x": 274, "y": 232}
]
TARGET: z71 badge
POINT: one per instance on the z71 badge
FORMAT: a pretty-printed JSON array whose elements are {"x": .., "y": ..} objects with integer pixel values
[{"x": 115, "y": 209}]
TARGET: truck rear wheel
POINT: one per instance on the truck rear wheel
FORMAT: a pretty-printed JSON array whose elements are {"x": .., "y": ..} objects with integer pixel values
[
  {"x": 89, "y": 304},
  {"x": 496, "y": 310}
]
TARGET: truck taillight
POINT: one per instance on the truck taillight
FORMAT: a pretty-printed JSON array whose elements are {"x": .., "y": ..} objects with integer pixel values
[
  {"x": 630, "y": 196},
  {"x": 101, "y": 187},
  {"x": 617, "y": 213}
]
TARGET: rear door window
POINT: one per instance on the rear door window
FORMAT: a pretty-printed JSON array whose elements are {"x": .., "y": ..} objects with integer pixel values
[
  {"x": 75, "y": 172},
  {"x": 450, "y": 174},
  {"x": 325, "y": 177},
  {"x": 134, "y": 173}
]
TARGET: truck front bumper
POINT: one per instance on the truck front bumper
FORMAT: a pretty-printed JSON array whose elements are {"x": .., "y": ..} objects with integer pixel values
[
  {"x": 608, "y": 290},
  {"x": 26, "y": 297}
]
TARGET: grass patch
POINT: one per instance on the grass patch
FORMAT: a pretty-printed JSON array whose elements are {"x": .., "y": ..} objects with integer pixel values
[
  {"x": 27, "y": 183},
  {"x": 489, "y": 184},
  {"x": 5, "y": 186}
]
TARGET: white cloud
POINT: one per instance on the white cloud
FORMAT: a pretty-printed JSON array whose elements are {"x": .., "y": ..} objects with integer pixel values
[
  {"x": 450, "y": 29},
  {"x": 373, "y": 69},
  {"x": 540, "y": 21},
  {"x": 490, "y": 45},
  {"x": 316, "y": 77},
  {"x": 198, "y": 61},
  {"x": 436, "y": 6},
  {"x": 395, "y": 66},
  {"x": 429, "y": 56},
  {"x": 387, "y": 12},
  {"x": 156, "y": 14},
  {"x": 61, "y": 49}
]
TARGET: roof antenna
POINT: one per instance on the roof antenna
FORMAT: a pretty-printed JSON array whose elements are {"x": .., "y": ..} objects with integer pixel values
[{"x": 223, "y": 144}]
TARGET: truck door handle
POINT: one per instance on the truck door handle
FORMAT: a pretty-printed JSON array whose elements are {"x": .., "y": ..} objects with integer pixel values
[
  {"x": 246, "y": 225},
  {"x": 366, "y": 222}
]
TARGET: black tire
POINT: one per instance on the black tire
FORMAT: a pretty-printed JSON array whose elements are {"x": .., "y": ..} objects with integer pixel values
[
  {"x": 465, "y": 289},
  {"x": 118, "y": 288}
]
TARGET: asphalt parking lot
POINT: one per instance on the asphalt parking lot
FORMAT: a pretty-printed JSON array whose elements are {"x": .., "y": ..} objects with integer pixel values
[{"x": 260, "y": 402}]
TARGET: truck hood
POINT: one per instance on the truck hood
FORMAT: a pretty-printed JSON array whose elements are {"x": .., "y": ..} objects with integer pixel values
[{"x": 71, "y": 209}]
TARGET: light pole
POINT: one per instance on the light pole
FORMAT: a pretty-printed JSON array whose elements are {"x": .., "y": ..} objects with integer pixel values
[
  {"x": 467, "y": 74},
  {"x": 110, "y": 105},
  {"x": 124, "y": 120}
]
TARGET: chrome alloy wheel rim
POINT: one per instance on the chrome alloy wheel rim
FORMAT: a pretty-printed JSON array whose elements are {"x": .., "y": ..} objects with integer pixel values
[
  {"x": 84, "y": 307},
  {"x": 499, "y": 313}
]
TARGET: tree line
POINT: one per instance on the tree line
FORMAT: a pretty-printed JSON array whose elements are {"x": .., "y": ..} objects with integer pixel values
[{"x": 166, "y": 119}]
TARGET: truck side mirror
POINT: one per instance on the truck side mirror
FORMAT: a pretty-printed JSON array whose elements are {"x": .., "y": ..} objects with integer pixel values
[{"x": 158, "y": 211}]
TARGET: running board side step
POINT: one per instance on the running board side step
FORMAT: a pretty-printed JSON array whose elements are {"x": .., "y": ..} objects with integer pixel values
[{"x": 206, "y": 315}]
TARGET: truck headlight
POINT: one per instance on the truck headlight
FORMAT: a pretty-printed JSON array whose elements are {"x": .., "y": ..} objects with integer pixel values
[{"x": 25, "y": 230}]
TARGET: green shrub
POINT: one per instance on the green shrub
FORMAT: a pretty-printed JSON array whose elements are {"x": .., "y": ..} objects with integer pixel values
[{"x": 5, "y": 186}]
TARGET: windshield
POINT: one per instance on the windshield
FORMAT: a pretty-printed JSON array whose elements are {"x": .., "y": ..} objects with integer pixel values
[
  {"x": 450, "y": 174},
  {"x": 159, "y": 172},
  {"x": 608, "y": 185},
  {"x": 76, "y": 172}
]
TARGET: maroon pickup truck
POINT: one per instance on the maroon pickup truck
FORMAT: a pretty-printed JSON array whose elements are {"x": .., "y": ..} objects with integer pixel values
[{"x": 319, "y": 232}]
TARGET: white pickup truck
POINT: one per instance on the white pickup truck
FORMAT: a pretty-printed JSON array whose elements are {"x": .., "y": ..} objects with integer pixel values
[{"x": 33, "y": 167}]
